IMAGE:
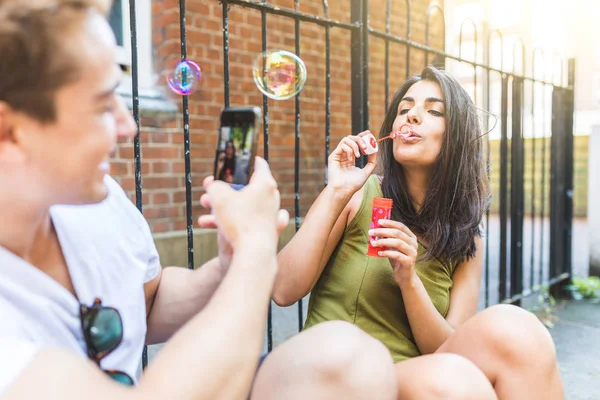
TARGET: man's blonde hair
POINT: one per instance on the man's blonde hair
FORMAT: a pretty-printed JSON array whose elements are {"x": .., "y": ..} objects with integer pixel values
[{"x": 35, "y": 55}]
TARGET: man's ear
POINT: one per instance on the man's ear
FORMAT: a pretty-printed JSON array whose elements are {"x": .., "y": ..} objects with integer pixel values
[{"x": 10, "y": 151}]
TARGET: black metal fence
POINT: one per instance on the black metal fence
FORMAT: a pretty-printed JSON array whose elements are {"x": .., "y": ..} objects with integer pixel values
[{"x": 507, "y": 272}]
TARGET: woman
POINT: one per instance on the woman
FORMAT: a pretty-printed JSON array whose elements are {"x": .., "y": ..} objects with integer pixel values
[
  {"x": 420, "y": 296},
  {"x": 227, "y": 163}
]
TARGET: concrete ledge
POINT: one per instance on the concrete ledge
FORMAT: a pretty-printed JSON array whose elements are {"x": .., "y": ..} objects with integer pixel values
[{"x": 173, "y": 249}]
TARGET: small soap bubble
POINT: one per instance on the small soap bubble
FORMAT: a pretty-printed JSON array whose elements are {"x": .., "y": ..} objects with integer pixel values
[
  {"x": 279, "y": 74},
  {"x": 185, "y": 78}
]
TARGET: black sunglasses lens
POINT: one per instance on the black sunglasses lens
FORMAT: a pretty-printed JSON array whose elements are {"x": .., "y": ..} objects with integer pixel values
[
  {"x": 105, "y": 329},
  {"x": 120, "y": 377}
]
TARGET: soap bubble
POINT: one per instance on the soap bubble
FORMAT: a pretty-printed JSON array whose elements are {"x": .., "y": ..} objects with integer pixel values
[
  {"x": 185, "y": 77},
  {"x": 279, "y": 74}
]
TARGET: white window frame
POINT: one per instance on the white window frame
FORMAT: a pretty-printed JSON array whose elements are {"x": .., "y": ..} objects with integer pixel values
[{"x": 144, "y": 45}]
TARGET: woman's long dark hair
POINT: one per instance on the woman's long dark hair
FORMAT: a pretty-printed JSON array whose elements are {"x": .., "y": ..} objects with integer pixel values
[{"x": 458, "y": 192}]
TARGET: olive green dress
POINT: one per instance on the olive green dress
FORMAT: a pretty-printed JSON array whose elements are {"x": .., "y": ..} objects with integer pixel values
[{"x": 361, "y": 289}]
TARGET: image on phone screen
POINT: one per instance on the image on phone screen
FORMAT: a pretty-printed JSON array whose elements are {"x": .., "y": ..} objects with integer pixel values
[{"x": 234, "y": 153}]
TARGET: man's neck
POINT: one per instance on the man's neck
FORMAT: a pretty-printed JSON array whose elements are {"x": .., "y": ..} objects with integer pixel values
[{"x": 25, "y": 228}]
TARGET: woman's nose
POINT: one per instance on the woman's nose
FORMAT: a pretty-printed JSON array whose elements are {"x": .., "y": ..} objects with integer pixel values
[{"x": 413, "y": 116}]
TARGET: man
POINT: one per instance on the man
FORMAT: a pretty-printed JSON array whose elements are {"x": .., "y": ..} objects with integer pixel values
[{"x": 81, "y": 286}]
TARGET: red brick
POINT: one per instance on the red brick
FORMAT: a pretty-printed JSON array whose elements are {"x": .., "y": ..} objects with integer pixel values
[{"x": 162, "y": 141}]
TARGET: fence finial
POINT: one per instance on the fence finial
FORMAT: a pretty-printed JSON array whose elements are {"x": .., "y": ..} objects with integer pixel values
[
  {"x": 326, "y": 8},
  {"x": 460, "y": 39},
  {"x": 535, "y": 51},
  {"x": 519, "y": 40},
  {"x": 432, "y": 7},
  {"x": 562, "y": 69},
  {"x": 489, "y": 42}
]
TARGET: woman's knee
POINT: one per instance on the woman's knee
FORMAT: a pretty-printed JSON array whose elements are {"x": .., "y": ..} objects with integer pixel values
[
  {"x": 516, "y": 335},
  {"x": 354, "y": 358},
  {"x": 447, "y": 376}
]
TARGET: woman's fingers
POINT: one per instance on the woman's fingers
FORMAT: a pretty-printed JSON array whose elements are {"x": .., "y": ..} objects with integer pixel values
[
  {"x": 352, "y": 142},
  {"x": 395, "y": 244},
  {"x": 388, "y": 223},
  {"x": 395, "y": 255},
  {"x": 391, "y": 233}
]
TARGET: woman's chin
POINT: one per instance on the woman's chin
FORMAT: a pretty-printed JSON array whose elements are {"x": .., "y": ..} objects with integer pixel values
[{"x": 413, "y": 160}]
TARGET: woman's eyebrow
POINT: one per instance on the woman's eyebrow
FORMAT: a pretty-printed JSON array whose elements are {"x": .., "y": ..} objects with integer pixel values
[{"x": 427, "y": 100}]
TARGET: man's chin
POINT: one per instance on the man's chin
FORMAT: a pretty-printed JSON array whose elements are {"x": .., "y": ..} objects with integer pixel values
[{"x": 97, "y": 195}]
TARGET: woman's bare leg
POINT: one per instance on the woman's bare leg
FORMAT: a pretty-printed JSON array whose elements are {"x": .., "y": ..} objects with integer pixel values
[
  {"x": 442, "y": 376},
  {"x": 513, "y": 349},
  {"x": 332, "y": 360}
]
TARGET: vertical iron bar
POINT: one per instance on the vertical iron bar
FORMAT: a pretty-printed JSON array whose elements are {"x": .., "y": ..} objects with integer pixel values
[
  {"x": 430, "y": 10},
  {"x": 327, "y": 89},
  {"x": 488, "y": 170},
  {"x": 297, "y": 151},
  {"x": 360, "y": 70},
  {"x": 488, "y": 160},
  {"x": 388, "y": 12},
  {"x": 543, "y": 184},
  {"x": 460, "y": 40},
  {"x": 503, "y": 187},
  {"x": 136, "y": 116},
  {"x": 532, "y": 197},
  {"x": 365, "y": 65},
  {"x": 263, "y": 18},
  {"x": 186, "y": 144},
  {"x": 557, "y": 184},
  {"x": 516, "y": 191},
  {"x": 225, "y": 52},
  {"x": 569, "y": 161},
  {"x": 263, "y": 21},
  {"x": 533, "y": 168},
  {"x": 408, "y": 34}
]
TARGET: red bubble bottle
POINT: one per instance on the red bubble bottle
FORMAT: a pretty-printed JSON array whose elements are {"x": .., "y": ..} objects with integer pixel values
[{"x": 382, "y": 209}]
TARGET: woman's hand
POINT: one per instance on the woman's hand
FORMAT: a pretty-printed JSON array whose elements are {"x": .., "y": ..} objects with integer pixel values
[
  {"x": 400, "y": 245},
  {"x": 343, "y": 175}
]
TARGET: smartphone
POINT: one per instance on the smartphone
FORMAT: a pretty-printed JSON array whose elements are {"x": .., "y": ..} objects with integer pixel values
[{"x": 237, "y": 145}]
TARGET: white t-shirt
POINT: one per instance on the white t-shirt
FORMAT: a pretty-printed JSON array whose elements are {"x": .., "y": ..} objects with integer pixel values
[{"x": 110, "y": 254}]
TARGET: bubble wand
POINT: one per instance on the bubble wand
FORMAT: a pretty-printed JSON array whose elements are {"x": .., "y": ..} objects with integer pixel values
[{"x": 372, "y": 143}]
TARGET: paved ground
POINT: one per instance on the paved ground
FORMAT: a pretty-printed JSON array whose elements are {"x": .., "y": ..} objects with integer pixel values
[
  {"x": 577, "y": 338},
  {"x": 576, "y": 333}
]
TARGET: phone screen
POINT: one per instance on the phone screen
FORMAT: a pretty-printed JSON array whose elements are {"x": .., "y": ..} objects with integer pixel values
[{"x": 234, "y": 161}]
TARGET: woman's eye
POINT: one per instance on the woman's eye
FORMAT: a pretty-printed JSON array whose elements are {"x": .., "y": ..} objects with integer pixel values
[
  {"x": 436, "y": 113},
  {"x": 403, "y": 111}
]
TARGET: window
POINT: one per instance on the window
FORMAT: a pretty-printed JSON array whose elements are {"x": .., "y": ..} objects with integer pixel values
[{"x": 120, "y": 23}]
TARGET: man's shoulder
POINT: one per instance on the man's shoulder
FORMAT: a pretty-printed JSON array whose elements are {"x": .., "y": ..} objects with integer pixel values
[
  {"x": 115, "y": 191},
  {"x": 116, "y": 206}
]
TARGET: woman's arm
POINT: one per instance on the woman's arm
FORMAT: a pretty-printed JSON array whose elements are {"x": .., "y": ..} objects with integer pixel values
[
  {"x": 428, "y": 326},
  {"x": 302, "y": 260}
]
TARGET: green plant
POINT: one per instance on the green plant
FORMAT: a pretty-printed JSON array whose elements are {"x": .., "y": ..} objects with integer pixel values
[
  {"x": 585, "y": 288},
  {"x": 544, "y": 308}
]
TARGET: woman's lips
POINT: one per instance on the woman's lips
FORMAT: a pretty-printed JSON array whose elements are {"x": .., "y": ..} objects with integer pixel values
[
  {"x": 406, "y": 134},
  {"x": 409, "y": 138}
]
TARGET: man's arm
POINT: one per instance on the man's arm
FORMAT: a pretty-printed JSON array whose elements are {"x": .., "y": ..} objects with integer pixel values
[
  {"x": 176, "y": 295},
  {"x": 214, "y": 356},
  {"x": 195, "y": 364}
]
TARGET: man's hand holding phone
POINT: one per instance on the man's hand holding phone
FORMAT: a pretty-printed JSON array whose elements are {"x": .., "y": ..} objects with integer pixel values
[{"x": 248, "y": 217}]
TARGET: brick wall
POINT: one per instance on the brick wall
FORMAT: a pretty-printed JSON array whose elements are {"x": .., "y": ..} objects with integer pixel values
[{"x": 162, "y": 140}]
